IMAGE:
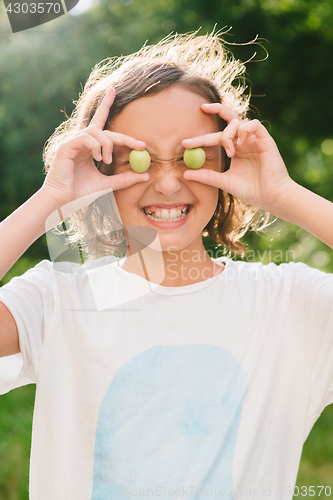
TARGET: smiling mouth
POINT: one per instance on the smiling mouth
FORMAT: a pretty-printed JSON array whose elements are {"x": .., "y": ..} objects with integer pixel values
[{"x": 161, "y": 214}]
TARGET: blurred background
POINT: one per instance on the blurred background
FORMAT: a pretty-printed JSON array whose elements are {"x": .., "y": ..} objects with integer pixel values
[{"x": 43, "y": 69}]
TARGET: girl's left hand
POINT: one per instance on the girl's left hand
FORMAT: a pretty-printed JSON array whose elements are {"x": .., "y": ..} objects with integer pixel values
[{"x": 257, "y": 173}]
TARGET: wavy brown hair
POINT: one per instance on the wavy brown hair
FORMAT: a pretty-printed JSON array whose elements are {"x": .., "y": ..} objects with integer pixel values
[{"x": 201, "y": 64}]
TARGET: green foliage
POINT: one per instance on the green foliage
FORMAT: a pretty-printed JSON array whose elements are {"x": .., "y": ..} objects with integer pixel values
[
  {"x": 317, "y": 457},
  {"x": 15, "y": 440},
  {"x": 43, "y": 71}
]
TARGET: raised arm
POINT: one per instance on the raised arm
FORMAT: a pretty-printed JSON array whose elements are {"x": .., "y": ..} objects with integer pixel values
[
  {"x": 17, "y": 233},
  {"x": 72, "y": 181},
  {"x": 258, "y": 175},
  {"x": 23, "y": 227},
  {"x": 307, "y": 210}
]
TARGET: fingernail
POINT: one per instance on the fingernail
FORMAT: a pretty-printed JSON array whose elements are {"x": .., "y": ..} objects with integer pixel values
[
  {"x": 110, "y": 159},
  {"x": 228, "y": 152}
]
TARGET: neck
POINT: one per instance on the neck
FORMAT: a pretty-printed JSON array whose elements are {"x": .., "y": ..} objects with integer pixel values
[{"x": 173, "y": 267}]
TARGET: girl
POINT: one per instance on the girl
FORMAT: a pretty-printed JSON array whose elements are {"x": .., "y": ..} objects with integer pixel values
[{"x": 166, "y": 373}]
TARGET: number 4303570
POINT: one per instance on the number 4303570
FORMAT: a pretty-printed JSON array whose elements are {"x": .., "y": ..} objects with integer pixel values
[{"x": 32, "y": 8}]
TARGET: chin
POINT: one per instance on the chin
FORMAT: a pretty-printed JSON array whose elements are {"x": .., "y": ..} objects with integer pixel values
[{"x": 170, "y": 245}]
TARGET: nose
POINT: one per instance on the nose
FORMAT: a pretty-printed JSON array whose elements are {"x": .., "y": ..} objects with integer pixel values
[{"x": 167, "y": 178}]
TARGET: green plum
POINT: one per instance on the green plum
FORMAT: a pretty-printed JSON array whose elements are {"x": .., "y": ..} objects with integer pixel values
[
  {"x": 194, "y": 158},
  {"x": 139, "y": 159}
]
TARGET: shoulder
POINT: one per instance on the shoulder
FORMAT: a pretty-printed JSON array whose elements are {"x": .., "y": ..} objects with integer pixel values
[
  {"x": 48, "y": 274},
  {"x": 293, "y": 288},
  {"x": 290, "y": 272}
]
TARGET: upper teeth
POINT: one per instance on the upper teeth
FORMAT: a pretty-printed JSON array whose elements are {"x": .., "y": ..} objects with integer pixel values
[{"x": 166, "y": 214}]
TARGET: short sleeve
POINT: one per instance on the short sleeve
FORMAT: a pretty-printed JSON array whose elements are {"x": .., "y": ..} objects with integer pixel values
[
  {"x": 312, "y": 300},
  {"x": 29, "y": 298}
]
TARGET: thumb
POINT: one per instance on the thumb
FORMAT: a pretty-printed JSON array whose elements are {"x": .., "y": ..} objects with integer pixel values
[{"x": 209, "y": 177}]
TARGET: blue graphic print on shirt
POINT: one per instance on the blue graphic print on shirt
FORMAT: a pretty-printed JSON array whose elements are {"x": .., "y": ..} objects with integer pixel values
[{"x": 168, "y": 424}]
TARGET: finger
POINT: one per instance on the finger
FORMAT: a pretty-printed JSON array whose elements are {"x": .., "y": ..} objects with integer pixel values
[
  {"x": 223, "y": 111},
  {"x": 202, "y": 140},
  {"x": 103, "y": 110},
  {"x": 126, "y": 179},
  {"x": 209, "y": 177},
  {"x": 108, "y": 184},
  {"x": 125, "y": 140},
  {"x": 105, "y": 141},
  {"x": 80, "y": 141},
  {"x": 252, "y": 127},
  {"x": 227, "y": 138}
]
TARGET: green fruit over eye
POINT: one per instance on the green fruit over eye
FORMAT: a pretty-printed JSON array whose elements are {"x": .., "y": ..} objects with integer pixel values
[
  {"x": 139, "y": 159},
  {"x": 194, "y": 158}
]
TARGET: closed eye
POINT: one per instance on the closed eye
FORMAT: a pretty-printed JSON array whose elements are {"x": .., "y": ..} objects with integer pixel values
[
  {"x": 121, "y": 162},
  {"x": 210, "y": 155}
]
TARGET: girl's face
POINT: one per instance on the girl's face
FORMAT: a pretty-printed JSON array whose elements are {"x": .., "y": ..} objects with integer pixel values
[{"x": 163, "y": 121}]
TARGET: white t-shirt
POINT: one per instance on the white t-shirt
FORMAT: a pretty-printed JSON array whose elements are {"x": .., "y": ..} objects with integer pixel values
[{"x": 205, "y": 390}]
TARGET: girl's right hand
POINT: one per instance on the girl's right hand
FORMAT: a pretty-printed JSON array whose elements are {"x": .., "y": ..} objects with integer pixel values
[{"x": 73, "y": 177}]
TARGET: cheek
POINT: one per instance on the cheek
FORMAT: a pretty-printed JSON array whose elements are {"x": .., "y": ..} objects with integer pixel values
[
  {"x": 122, "y": 203},
  {"x": 210, "y": 200},
  {"x": 127, "y": 200},
  {"x": 209, "y": 196},
  {"x": 214, "y": 202}
]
